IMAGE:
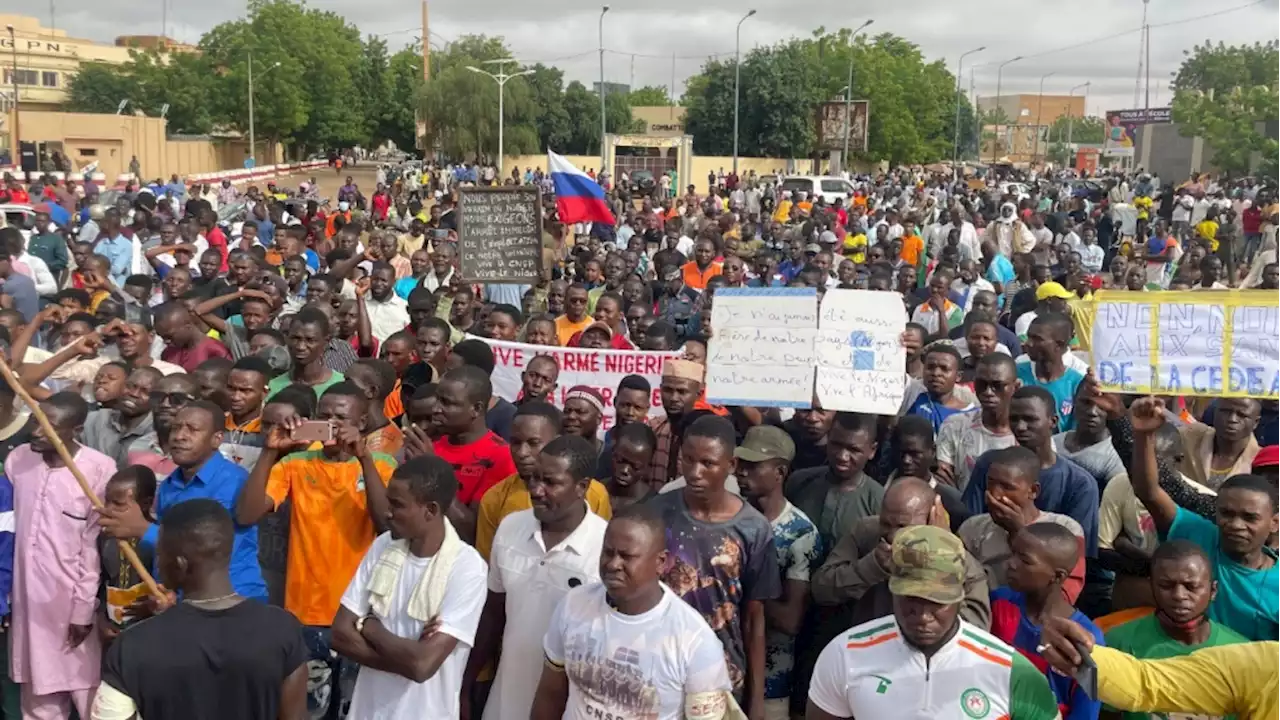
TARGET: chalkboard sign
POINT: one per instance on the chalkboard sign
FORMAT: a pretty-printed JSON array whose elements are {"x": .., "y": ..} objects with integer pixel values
[{"x": 500, "y": 234}]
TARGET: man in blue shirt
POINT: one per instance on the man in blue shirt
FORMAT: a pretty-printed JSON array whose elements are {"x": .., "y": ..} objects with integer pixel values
[
  {"x": 176, "y": 189},
  {"x": 1050, "y": 364},
  {"x": 194, "y": 436},
  {"x": 115, "y": 247},
  {"x": 1065, "y": 487}
]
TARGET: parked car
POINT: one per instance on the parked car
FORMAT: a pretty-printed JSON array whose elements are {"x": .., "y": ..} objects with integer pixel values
[
  {"x": 643, "y": 182},
  {"x": 20, "y": 216},
  {"x": 830, "y": 187}
]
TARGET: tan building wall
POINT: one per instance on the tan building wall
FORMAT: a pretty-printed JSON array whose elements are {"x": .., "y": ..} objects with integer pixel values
[
  {"x": 112, "y": 140},
  {"x": 702, "y": 165},
  {"x": 48, "y": 58},
  {"x": 1024, "y": 109},
  {"x": 660, "y": 120}
]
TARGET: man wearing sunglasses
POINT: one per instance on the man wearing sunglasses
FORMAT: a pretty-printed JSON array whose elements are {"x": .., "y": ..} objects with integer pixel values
[
  {"x": 169, "y": 394},
  {"x": 963, "y": 438}
]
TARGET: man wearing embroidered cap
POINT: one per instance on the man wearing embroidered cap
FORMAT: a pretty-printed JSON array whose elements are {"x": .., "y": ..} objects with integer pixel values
[
  {"x": 681, "y": 387},
  {"x": 583, "y": 408},
  {"x": 925, "y": 656}
]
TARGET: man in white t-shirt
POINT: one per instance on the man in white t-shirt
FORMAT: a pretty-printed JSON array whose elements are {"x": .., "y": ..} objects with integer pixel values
[
  {"x": 410, "y": 614},
  {"x": 628, "y": 646},
  {"x": 538, "y": 556}
]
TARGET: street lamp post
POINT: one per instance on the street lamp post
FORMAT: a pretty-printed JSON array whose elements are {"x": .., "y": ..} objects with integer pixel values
[
  {"x": 955, "y": 145},
  {"x": 848, "y": 97},
  {"x": 603, "y": 153},
  {"x": 253, "y": 139},
  {"x": 501, "y": 78},
  {"x": 737, "y": 80},
  {"x": 995, "y": 143},
  {"x": 1035, "y": 153},
  {"x": 1071, "y": 116}
]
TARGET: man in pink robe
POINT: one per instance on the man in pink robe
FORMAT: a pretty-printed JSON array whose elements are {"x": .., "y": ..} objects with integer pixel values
[{"x": 54, "y": 653}]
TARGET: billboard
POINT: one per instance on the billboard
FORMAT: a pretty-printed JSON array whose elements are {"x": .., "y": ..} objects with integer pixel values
[
  {"x": 832, "y": 125},
  {"x": 1122, "y": 129}
]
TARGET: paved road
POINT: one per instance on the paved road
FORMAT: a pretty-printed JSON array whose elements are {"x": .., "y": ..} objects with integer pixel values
[{"x": 329, "y": 181}]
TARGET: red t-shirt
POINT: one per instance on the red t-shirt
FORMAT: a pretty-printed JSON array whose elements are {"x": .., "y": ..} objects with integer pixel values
[
  {"x": 479, "y": 465},
  {"x": 218, "y": 241},
  {"x": 190, "y": 359}
]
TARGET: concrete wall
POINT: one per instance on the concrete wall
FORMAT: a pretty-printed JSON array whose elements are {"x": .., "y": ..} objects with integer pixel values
[
  {"x": 112, "y": 140},
  {"x": 701, "y": 165}
]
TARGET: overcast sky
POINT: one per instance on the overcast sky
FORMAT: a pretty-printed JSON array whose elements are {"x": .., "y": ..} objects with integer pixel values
[{"x": 657, "y": 29}]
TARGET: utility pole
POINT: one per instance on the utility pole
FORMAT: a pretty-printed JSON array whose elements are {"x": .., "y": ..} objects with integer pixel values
[
  {"x": 737, "y": 81},
  {"x": 253, "y": 144},
  {"x": 603, "y": 128},
  {"x": 1035, "y": 154},
  {"x": 955, "y": 145},
  {"x": 848, "y": 98},
  {"x": 1142, "y": 43},
  {"x": 995, "y": 145},
  {"x": 633, "y": 72}
]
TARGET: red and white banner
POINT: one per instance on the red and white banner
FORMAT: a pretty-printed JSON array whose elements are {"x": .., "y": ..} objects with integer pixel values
[{"x": 600, "y": 369}]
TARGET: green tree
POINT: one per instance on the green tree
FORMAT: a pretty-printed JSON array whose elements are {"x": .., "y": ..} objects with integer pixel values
[
  {"x": 460, "y": 105},
  {"x": 404, "y": 82},
  {"x": 912, "y": 103},
  {"x": 649, "y": 95},
  {"x": 1082, "y": 130},
  {"x": 150, "y": 82},
  {"x": 1228, "y": 94},
  {"x": 554, "y": 127}
]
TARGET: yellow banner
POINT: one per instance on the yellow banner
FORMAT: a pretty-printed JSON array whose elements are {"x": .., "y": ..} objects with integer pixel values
[{"x": 1216, "y": 343}]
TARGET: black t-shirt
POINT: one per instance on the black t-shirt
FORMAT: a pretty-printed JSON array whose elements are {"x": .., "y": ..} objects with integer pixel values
[
  {"x": 207, "y": 664},
  {"x": 808, "y": 453}
]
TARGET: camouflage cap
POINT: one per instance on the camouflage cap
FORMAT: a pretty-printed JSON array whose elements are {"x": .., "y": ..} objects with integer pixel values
[{"x": 928, "y": 562}]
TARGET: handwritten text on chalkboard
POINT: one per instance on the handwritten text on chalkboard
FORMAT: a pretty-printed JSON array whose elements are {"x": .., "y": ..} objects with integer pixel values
[{"x": 500, "y": 234}]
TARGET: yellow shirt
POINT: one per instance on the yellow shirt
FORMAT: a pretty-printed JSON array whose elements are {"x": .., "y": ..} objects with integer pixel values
[
  {"x": 1239, "y": 680},
  {"x": 1208, "y": 229},
  {"x": 783, "y": 212},
  {"x": 511, "y": 496}
]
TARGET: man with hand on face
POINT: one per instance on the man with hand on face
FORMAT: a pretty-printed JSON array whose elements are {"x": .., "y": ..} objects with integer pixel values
[
  {"x": 337, "y": 498},
  {"x": 53, "y": 652},
  {"x": 620, "y": 616},
  {"x": 194, "y": 437},
  {"x": 185, "y": 345},
  {"x": 539, "y": 555},
  {"x": 856, "y": 573},
  {"x": 410, "y": 614},
  {"x": 1065, "y": 487},
  {"x": 536, "y": 424},
  {"x": 926, "y": 656}
]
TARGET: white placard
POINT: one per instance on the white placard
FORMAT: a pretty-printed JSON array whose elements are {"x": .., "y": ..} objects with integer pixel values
[
  {"x": 761, "y": 349},
  {"x": 860, "y": 358}
]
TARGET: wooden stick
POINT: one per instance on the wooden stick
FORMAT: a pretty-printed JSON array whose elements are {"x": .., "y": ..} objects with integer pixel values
[{"x": 125, "y": 548}]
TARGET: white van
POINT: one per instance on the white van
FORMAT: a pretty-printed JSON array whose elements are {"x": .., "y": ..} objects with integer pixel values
[{"x": 829, "y": 187}]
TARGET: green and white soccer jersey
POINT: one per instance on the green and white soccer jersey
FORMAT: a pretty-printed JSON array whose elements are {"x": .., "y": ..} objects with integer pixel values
[{"x": 870, "y": 672}]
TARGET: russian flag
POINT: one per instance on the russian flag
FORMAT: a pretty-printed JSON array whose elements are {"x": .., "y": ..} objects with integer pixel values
[{"x": 578, "y": 197}]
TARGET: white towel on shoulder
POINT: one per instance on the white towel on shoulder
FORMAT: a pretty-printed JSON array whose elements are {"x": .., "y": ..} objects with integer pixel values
[{"x": 425, "y": 602}]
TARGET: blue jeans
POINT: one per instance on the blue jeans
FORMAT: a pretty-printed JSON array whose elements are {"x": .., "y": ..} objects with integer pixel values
[{"x": 331, "y": 678}]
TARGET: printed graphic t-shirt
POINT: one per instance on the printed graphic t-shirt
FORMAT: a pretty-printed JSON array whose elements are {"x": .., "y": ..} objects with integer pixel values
[
  {"x": 717, "y": 568},
  {"x": 479, "y": 465},
  {"x": 624, "y": 666}
]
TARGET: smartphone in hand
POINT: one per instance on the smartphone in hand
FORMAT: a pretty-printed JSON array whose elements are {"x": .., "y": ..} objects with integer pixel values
[{"x": 313, "y": 431}]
